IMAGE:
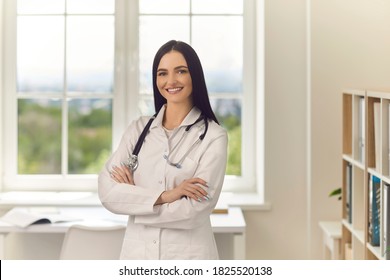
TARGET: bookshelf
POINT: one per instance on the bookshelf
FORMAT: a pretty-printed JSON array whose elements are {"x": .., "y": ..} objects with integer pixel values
[{"x": 366, "y": 175}]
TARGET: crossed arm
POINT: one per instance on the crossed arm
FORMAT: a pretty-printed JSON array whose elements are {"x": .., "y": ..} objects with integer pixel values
[{"x": 190, "y": 188}]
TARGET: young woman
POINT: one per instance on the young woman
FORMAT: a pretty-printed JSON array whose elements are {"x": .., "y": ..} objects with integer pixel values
[{"x": 171, "y": 184}]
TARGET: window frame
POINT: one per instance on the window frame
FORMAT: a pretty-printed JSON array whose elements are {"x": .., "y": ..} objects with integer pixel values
[{"x": 126, "y": 97}]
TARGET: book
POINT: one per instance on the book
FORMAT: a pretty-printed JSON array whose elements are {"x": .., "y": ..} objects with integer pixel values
[
  {"x": 386, "y": 222},
  {"x": 377, "y": 116},
  {"x": 370, "y": 209},
  {"x": 361, "y": 130},
  {"x": 348, "y": 185},
  {"x": 388, "y": 139},
  {"x": 24, "y": 217},
  {"x": 374, "y": 211},
  {"x": 221, "y": 208}
]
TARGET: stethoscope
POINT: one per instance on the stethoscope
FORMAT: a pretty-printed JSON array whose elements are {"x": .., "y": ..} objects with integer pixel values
[{"x": 132, "y": 161}]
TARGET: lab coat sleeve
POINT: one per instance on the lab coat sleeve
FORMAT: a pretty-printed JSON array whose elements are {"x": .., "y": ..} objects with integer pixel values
[
  {"x": 123, "y": 198},
  {"x": 188, "y": 213}
]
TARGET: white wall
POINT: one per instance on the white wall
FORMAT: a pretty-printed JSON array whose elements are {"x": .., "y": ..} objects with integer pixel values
[
  {"x": 282, "y": 232},
  {"x": 1, "y": 87}
]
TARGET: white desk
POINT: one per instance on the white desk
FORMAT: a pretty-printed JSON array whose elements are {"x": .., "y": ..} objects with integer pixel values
[
  {"x": 331, "y": 239},
  {"x": 232, "y": 223}
]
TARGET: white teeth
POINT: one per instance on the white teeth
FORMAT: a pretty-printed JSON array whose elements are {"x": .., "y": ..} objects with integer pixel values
[{"x": 172, "y": 90}]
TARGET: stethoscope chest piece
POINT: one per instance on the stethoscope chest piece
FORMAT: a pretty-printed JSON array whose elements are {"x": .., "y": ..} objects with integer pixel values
[{"x": 132, "y": 162}]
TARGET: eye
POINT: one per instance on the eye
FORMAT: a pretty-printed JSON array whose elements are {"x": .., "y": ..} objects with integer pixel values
[
  {"x": 182, "y": 71},
  {"x": 161, "y": 74}
]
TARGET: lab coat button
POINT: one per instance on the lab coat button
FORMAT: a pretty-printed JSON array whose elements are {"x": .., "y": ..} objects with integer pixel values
[
  {"x": 160, "y": 182},
  {"x": 154, "y": 241}
]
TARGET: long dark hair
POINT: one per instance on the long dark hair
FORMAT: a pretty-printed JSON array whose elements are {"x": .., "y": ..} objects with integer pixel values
[{"x": 200, "y": 95}]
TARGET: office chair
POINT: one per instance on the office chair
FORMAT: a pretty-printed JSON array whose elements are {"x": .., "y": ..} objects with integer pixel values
[{"x": 84, "y": 242}]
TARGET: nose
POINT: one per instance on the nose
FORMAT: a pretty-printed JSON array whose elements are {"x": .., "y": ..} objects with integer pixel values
[{"x": 171, "y": 79}]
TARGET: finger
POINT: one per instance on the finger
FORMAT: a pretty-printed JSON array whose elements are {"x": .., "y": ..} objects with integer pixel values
[
  {"x": 198, "y": 189},
  {"x": 198, "y": 181},
  {"x": 119, "y": 174},
  {"x": 198, "y": 192},
  {"x": 189, "y": 194},
  {"x": 116, "y": 177},
  {"x": 183, "y": 190},
  {"x": 127, "y": 173}
]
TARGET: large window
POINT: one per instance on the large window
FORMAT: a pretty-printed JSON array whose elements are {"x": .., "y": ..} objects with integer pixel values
[{"x": 77, "y": 71}]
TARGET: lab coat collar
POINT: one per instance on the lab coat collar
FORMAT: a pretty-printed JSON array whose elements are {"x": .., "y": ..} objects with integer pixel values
[{"x": 191, "y": 117}]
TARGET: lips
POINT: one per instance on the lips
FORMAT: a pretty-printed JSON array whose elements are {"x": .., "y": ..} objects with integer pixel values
[{"x": 174, "y": 90}]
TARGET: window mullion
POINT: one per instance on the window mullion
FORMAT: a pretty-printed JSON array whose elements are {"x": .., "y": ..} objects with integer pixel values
[
  {"x": 10, "y": 96},
  {"x": 249, "y": 89},
  {"x": 64, "y": 138},
  {"x": 125, "y": 101},
  {"x": 191, "y": 16}
]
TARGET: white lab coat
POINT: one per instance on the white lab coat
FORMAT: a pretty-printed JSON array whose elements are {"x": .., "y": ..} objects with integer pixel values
[{"x": 177, "y": 230}]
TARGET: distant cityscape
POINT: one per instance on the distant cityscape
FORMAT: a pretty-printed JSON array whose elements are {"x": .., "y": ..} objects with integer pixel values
[{"x": 217, "y": 82}]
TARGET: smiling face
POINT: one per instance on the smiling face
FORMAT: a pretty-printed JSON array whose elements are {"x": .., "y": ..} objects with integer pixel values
[{"x": 173, "y": 79}]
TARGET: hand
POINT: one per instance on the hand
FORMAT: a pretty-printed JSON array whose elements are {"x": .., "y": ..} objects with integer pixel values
[
  {"x": 191, "y": 188},
  {"x": 122, "y": 174}
]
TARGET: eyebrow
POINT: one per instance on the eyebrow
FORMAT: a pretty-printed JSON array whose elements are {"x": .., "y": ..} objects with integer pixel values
[{"x": 176, "y": 68}]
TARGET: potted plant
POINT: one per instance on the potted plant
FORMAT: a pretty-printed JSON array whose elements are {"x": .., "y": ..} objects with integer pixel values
[{"x": 336, "y": 192}]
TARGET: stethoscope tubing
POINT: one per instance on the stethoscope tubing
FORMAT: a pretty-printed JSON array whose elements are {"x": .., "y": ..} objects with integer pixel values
[{"x": 132, "y": 161}]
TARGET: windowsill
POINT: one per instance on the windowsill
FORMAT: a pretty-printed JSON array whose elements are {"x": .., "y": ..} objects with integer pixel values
[
  {"x": 246, "y": 201},
  {"x": 25, "y": 198}
]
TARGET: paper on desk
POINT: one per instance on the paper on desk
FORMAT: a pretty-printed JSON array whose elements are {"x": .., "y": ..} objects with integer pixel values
[{"x": 24, "y": 217}]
